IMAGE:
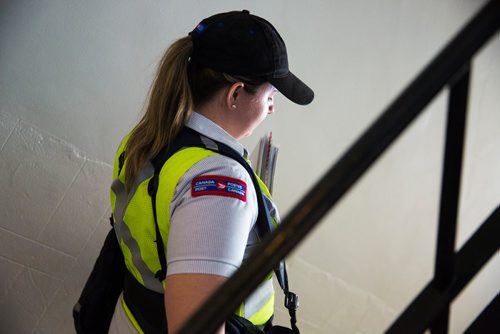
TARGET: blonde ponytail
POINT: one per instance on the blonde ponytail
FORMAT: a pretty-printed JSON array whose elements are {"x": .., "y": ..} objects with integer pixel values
[{"x": 170, "y": 106}]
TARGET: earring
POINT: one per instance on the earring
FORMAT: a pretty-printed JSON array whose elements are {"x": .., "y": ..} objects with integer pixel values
[{"x": 233, "y": 106}]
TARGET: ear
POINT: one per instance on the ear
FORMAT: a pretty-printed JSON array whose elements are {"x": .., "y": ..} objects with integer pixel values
[{"x": 232, "y": 95}]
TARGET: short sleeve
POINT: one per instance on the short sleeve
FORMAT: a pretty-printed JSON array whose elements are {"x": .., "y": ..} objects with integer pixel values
[{"x": 211, "y": 214}]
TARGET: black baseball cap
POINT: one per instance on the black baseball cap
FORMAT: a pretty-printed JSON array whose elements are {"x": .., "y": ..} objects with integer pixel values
[{"x": 240, "y": 43}]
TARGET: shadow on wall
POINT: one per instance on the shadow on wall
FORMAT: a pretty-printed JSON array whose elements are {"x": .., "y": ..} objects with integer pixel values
[{"x": 54, "y": 206}]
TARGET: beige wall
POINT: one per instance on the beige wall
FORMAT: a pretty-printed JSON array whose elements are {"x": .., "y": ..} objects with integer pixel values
[{"x": 73, "y": 78}]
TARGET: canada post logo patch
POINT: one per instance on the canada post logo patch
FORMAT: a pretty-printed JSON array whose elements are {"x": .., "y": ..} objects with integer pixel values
[{"x": 219, "y": 186}]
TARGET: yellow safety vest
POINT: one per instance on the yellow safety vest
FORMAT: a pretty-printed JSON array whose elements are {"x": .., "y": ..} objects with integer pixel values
[{"x": 135, "y": 227}]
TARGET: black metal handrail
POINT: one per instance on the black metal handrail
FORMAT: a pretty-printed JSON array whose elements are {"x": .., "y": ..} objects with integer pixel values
[
  {"x": 435, "y": 298},
  {"x": 453, "y": 59}
]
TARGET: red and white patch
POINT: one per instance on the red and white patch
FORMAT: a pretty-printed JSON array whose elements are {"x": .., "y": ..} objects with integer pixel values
[{"x": 218, "y": 185}]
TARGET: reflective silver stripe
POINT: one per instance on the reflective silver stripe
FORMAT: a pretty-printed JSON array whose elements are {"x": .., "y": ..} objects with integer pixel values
[
  {"x": 262, "y": 294},
  {"x": 273, "y": 211},
  {"x": 119, "y": 189},
  {"x": 121, "y": 203},
  {"x": 209, "y": 143},
  {"x": 258, "y": 298}
]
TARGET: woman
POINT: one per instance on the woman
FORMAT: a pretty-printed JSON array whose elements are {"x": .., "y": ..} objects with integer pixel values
[{"x": 216, "y": 85}]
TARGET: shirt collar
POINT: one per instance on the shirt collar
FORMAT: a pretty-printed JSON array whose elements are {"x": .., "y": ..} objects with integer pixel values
[{"x": 210, "y": 129}]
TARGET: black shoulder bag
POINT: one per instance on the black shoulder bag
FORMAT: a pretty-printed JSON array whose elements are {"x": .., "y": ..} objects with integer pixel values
[{"x": 95, "y": 307}]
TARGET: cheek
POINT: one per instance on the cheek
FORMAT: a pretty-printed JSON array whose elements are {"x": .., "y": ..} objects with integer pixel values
[
  {"x": 263, "y": 110},
  {"x": 258, "y": 109}
]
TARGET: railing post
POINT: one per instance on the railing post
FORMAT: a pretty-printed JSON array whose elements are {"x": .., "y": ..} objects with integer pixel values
[
  {"x": 430, "y": 302},
  {"x": 444, "y": 269}
]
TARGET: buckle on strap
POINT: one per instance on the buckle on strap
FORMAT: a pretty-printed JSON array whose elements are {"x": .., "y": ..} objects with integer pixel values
[{"x": 291, "y": 301}]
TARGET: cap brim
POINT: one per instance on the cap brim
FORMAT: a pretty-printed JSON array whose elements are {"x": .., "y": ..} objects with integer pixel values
[{"x": 293, "y": 89}]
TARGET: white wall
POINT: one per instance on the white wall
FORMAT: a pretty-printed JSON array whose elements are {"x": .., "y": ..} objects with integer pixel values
[{"x": 74, "y": 76}]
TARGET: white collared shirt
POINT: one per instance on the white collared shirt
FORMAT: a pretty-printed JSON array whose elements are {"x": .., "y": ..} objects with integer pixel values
[{"x": 211, "y": 234}]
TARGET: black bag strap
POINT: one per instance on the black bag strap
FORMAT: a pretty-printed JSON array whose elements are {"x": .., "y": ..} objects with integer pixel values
[
  {"x": 153, "y": 184},
  {"x": 152, "y": 190}
]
